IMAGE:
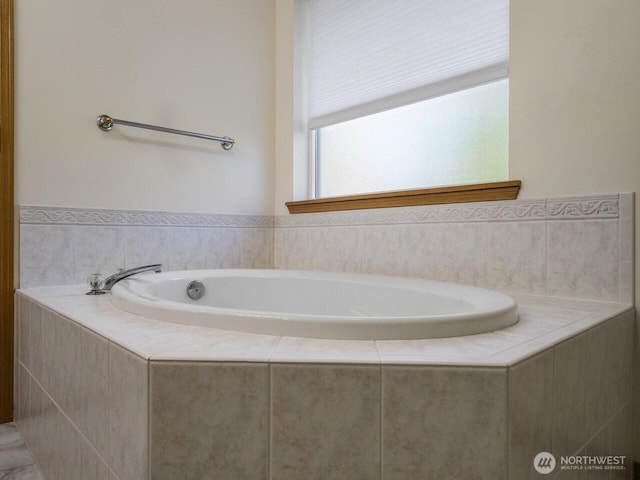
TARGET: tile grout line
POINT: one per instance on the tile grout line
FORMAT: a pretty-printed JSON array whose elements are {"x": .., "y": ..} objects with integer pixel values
[
  {"x": 507, "y": 419},
  {"x": 270, "y": 422},
  {"x": 149, "y": 445},
  {"x": 547, "y": 250},
  {"x": 381, "y": 444}
]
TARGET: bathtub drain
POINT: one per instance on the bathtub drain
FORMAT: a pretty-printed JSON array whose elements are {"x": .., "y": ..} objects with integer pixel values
[{"x": 195, "y": 290}]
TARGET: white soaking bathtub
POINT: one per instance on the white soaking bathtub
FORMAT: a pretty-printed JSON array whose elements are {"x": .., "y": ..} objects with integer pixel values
[{"x": 317, "y": 304}]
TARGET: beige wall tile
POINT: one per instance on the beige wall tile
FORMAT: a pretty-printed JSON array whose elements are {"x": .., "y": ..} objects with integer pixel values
[
  {"x": 187, "y": 249},
  {"x": 51, "y": 363},
  {"x": 35, "y": 339},
  {"x": 583, "y": 259},
  {"x": 456, "y": 252},
  {"x": 223, "y": 248},
  {"x": 599, "y": 445},
  {"x": 382, "y": 250},
  {"x": 293, "y": 247},
  {"x": 16, "y": 324},
  {"x": 93, "y": 466},
  {"x": 93, "y": 415},
  {"x": 609, "y": 363},
  {"x": 128, "y": 414},
  {"x": 627, "y": 285},
  {"x": 24, "y": 322},
  {"x": 33, "y": 410},
  {"x": 621, "y": 441},
  {"x": 338, "y": 249},
  {"x": 97, "y": 249},
  {"x": 413, "y": 255},
  {"x": 517, "y": 257},
  {"x": 625, "y": 226},
  {"x": 144, "y": 246},
  {"x": 257, "y": 248},
  {"x": 325, "y": 422},
  {"x": 67, "y": 388},
  {"x": 24, "y": 420},
  {"x": 327, "y": 248},
  {"x": 530, "y": 413},
  {"x": 209, "y": 421},
  {"x": 443, "y": 423},
  {"x": 37, "y": 441},
  {"x": 50, "y": 416},
  {"x": 17, "y": 413},
  {"x": 61, "y": 362},
  {"x": 46, "y": 255},
  {"x": 67, "y": 449},
  {"x": 569, "y": 408}
]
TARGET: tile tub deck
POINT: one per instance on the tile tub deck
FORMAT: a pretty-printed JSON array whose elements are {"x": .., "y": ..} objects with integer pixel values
[{"x": 136, "y": 398}]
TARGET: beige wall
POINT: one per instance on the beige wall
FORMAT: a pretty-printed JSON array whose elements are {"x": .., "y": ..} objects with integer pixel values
[
  {"x": 203, "y": 65},
  {"x": 291, "y": 141},
  {"x": 574, "y": 116}
]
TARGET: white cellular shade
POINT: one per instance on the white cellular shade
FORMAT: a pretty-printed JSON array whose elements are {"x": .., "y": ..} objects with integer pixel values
[{"x": 371, "y": 55}]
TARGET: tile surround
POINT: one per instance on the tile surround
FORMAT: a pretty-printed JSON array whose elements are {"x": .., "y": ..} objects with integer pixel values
[
  {"x": 621, "y": 429},
  {"x": 61, "y": 246},
  {"x": 568, "y": 430},
  {"x": 574, "y": 247},
  {"x": 320, "y": 408},
  {"x": 608, "y": 371},
  {"x": 588, "y": 265},
  {"x": 517, "y": 257},
  {"x": 578, "y": 247},
  {"x": 325, "y": 422},
  {"x": 555, "y": 360},
  {"x": 128, "y": 406},
  {"x": 530, "y": 395},
  {"x": 209, "y": 421},
  {"x": 93, "y": 376},
  {"x": 464, "y": 411}
]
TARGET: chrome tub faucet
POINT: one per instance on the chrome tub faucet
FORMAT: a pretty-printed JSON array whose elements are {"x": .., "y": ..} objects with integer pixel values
[{"x": 100, "y": 286}]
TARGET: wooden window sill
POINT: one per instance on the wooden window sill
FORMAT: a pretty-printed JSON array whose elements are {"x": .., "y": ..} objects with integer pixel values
[{"x": 480, "y": 192}]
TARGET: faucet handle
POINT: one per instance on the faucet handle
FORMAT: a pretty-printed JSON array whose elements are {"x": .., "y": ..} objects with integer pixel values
[{"x": 96, "y": 282}]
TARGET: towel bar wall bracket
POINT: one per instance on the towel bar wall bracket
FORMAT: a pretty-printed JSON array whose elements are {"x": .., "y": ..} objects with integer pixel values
[{"x": 106, "y": 123}]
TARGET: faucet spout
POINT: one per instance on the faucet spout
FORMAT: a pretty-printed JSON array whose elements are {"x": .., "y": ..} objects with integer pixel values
[{"x": 115, "y": 278}]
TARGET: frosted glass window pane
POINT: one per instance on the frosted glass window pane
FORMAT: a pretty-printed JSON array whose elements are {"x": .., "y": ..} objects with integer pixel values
[{"x": 454, "y": 139}]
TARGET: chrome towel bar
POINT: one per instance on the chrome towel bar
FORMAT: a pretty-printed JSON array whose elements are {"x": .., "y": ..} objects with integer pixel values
[{"x": 106, "y": 123}]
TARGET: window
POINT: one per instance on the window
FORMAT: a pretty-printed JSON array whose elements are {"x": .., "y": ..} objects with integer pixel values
[{"x": 407, "y": 94}]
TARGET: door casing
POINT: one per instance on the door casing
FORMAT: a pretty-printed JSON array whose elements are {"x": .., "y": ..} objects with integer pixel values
[{"x": 7, "y": 233}]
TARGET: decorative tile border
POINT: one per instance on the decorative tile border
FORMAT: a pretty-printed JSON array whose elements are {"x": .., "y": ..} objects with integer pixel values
[
  {"x": 81, "y": 216},
  {"x": 583, "y": 208},
  {"x": 520, "y": 210}
]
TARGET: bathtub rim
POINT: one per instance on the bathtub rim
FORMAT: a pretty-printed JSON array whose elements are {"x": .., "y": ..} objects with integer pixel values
[{"x": 493, "y": 310}]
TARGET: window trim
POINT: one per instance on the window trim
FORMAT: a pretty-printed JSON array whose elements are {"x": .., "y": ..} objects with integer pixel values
[{"x": 477, "y": 192}]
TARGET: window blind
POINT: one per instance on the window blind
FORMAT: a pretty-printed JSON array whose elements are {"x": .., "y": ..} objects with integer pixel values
[{"x": 371, "y": 55}]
